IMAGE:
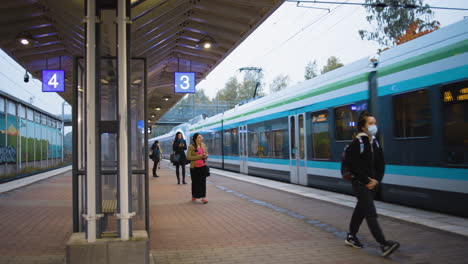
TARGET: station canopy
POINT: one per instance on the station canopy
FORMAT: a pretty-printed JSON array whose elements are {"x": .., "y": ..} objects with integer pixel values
[{"x": 167, "y": 33}]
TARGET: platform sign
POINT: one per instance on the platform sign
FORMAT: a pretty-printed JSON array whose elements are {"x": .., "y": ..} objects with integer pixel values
[
  {"x": 53, "y": 80},
  {"x": 184, "y": 82}
]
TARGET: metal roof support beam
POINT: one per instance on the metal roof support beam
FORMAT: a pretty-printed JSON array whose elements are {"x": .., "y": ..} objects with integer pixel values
[
  {"x": 198, "y": 53},
  {"x": 226, "y": 9},
  {"x": 160, "y": 15}
]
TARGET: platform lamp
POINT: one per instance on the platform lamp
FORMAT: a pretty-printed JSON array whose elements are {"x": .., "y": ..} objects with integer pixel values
[
  {"x": 206, "y": 42},
  {"x": 25, "y": 38}
]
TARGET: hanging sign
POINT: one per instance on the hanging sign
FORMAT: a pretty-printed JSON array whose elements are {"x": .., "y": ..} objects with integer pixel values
[
  {"x": 53, "y": 80},
  {"x": 184, "y": 82}
]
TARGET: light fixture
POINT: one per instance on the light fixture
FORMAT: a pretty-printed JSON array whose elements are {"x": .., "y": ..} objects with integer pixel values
[
  {"x": 25, "y": 38},
  {"x": 104, "y": 81},
  {"x": 152, "y": 116},
  {"x": 157, "y": 108},
  {"x": 166, "y": 98},
  {"x": 206, "y": 42},
  {"x": 137, "y": 81}
]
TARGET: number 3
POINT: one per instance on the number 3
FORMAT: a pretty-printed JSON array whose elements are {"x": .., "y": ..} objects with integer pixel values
[{"x": 185, "y": 80}]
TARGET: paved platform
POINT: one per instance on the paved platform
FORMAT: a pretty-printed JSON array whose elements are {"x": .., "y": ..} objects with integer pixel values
[{"x": 243, "y": 222}]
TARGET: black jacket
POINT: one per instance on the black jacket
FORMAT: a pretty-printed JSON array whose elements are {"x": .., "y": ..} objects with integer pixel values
[
  {"x": 180, "y": 150},
  {"x": 369, "y": 163}
]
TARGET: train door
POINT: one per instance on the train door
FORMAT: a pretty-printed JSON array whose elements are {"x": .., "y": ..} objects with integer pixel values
[
  {"x": 297, "y": 149},
  {"x": 243, "y": 149}
]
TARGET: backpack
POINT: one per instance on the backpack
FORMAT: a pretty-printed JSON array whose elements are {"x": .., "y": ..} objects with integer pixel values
[{"x": 346, "y": 161}]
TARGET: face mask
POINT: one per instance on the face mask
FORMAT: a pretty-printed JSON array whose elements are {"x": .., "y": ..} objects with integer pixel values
[{"x": 372, "y": 130}]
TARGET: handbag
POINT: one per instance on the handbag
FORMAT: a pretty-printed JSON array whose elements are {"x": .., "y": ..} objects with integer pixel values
[
  {"x": 174, "y": 158},
  {"x": 205, "y": 171}
]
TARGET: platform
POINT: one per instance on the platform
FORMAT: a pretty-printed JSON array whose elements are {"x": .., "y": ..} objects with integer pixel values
[{"x": 247, "y": 220}]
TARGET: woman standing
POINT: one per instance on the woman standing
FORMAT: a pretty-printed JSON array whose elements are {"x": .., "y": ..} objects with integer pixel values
[
  {"x": 179, "y": 146},
  {"x": 367, "y": 167},
  {"x": 155, "y": 156},
  {"x": 198, "y": 154}
]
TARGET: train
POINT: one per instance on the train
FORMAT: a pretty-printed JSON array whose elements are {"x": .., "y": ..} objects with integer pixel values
[{"x": 418, "y": 92}]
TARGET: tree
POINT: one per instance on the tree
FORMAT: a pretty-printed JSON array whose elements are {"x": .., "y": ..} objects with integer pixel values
[
  {"x": 392, "y": 18},
  {"x": 332, "y": 63},
  {"x": 279, "y": 83},
  {"x": 412, "y": 32},
  {"x": 197, "y": 97},
  {"x": 247, "y": 87},
  {"x": 311, "y": 70},
  {"x": 230, "y": 90}
]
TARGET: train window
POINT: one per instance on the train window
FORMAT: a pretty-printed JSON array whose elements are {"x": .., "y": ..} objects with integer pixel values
[
  {"x": 412, "y": 114},
  {"x": 345, "y": 122},
  {"x": 235, "y": 144},
  {"x": 278, "y": 143},
  {"x": 217, "y": 143},
  {"x": 301, "y": 137},
  {"x": 263, "y": 150},
  {"x": 292, "y": 125},
  {"x": 320, "y": 138},
  {"x": 254, "y": 144},
  {"x": 455, "y": 118}
]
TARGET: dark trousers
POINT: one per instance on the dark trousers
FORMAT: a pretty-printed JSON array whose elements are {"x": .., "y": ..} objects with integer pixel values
[
  {"x": 177, "y": 172},
  {"x": 155, "y": 165},
  {"x": 365, "y": 208},
  {"x": 198, "y": 183}
]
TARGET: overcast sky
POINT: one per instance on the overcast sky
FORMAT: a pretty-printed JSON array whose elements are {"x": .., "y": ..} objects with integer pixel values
[{"x": 293, "y": 36}]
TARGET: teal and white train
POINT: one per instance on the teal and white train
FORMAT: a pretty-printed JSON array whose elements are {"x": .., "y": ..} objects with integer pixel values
[{"x": 419, "y": 94}]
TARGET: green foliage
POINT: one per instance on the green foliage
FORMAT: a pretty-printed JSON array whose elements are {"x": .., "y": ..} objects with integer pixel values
[
  {"x": 279, "y": 83},
  {"x": 230, "y": 90},
  {"x": 238, "y": 91},
  {"x": 332, "y": 63},
  {"x": 392, "y": 21},
  {"x": 310, "y": 70}
]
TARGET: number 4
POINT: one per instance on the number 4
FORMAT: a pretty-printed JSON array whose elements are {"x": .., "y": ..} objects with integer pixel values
[{"x": 53, "y": 81}]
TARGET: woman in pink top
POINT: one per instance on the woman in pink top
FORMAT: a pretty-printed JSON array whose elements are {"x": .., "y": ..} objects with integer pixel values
[{"x": 198, "y": 154}]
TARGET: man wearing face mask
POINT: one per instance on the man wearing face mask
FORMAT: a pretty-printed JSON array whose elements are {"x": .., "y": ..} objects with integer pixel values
[{"x": 367, "y": 167}]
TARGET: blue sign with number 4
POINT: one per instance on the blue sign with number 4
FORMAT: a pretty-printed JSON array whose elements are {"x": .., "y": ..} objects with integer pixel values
[
  {"x": 184, "y": 82},
  {"x": 53, "y": 80}
]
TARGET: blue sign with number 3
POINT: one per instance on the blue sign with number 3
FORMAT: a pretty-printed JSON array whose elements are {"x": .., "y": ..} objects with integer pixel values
[
  {"x": 184, "y": 82},
  {"x": 53, "y": 80}
]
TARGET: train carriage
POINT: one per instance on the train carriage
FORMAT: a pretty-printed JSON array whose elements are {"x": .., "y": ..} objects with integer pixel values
[{"x": 419, "y": 94}]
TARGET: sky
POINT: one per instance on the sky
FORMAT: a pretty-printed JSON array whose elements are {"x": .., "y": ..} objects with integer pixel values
[{"x": 292, "y": 36}]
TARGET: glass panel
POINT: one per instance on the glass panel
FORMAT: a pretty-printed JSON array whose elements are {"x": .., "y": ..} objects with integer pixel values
[
  {"x": 11, "y": 108},
  {"x": 264, "y": 144},
  {"x": 345, "y": 122},
  {"x": 138, "y": 201},
  {"x": 412, "y": 114},
  {"x": 254, "y": 146},
  {"x": 293, "y": 137},
  {"x": 137, "y": 115},
  {"x": 30, "y": 114},
  {"x": 301, "y": 136},
  {"x": 455, "y": 118},
  {"x": 109, "y": 223},
  {"x": 278, "y": 144},
  {"x": 2, "y": 124},
  {"x": 108, "y": 99},
  {"x": 320, "y": 138},
  {"x": 109, "y": 151},
  {"x": 235, "y": 142},
  {"x": 12, "y": 136}
]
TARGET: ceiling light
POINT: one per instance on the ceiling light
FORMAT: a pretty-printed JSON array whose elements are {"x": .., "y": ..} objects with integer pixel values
[
  {"x": 104, "y": 81},
  {"x": 166, "y": 98},
  {"x": 137, "y": 81},
  {"x": 25, "y": 38},
  {"x": 157, "y": 108},
  {"x": 206, "y": 42}
]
